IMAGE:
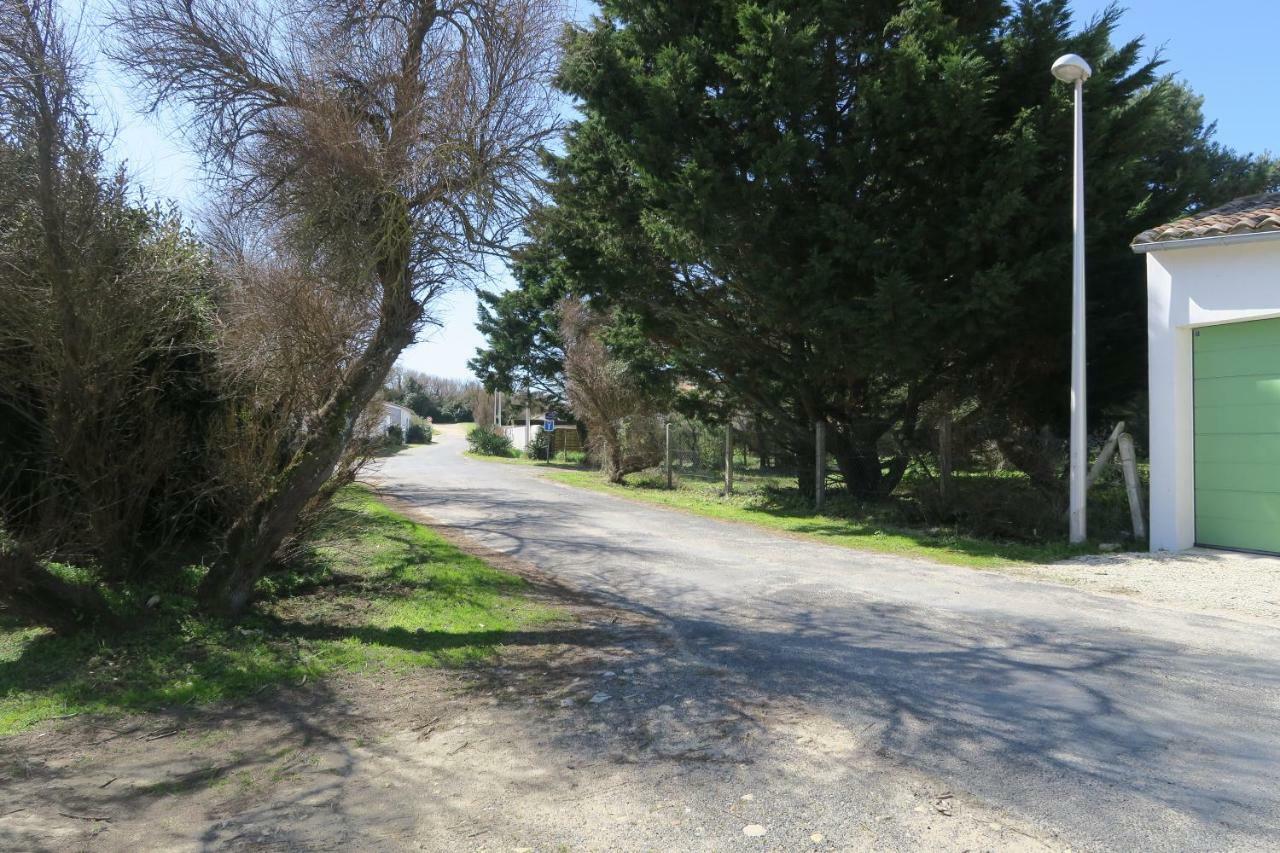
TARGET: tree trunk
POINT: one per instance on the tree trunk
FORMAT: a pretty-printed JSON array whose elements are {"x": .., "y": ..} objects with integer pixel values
[
  {"x": 255, "y": 538},
  {"x": 866, "y": 475}
]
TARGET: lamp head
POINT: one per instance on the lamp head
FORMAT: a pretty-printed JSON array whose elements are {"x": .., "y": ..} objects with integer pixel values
[{"x": 1071, "y": 69}]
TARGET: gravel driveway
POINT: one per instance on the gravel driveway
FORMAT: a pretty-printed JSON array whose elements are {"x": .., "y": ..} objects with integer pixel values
[{"x": 1076, "y": 719}]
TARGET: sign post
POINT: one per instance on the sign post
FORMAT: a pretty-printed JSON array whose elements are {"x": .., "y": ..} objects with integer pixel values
[{"x": 549, "y": 426}]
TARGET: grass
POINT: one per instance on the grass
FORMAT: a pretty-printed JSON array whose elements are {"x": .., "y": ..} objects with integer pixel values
[
  {"x": 771, "y": 502},
  {"x": 378, "y": 592}
]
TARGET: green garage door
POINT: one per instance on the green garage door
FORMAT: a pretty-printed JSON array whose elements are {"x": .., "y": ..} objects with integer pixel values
[{"x": 1237, "y": 416}]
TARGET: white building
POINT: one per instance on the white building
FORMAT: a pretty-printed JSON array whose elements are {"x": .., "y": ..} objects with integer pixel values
[
  {"x": 395, "y": 415},
  {"x": 1213, "y": 324}
]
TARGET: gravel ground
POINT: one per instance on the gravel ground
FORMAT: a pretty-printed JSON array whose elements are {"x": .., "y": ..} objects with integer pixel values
[
  {"x": 1094, "y": 719},
  {"x": 1224, "y": 583}
]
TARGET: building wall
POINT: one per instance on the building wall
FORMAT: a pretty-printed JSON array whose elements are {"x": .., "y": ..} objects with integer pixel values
[{"x": 1190, "y": 287}]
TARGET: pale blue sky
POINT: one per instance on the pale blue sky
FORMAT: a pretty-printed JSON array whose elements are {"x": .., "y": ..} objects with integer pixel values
[{"x": 1227, "y": 53}]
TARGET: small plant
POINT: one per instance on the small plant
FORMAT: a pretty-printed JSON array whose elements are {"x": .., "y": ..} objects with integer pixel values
[
  {"x": 537, "y": 448},
  {"x": 489, "y": 441},
  {"x": 418, "y": 433},
  {"x": 395, "y": 436}
]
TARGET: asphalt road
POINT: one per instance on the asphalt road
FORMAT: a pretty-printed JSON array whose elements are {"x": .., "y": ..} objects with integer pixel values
[{"x": 1099, "y": 722}]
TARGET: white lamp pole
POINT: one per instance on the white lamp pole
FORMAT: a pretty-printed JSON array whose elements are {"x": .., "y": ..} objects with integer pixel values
[{"x": 1073, "y": 69}]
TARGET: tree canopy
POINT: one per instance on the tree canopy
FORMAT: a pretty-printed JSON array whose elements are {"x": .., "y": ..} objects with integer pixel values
[{"x": 859, "y": 212}]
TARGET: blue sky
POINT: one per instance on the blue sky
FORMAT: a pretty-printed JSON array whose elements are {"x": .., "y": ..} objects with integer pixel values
[{"x": 1228, "y": 57}]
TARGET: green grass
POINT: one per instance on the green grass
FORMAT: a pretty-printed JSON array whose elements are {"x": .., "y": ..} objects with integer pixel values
[
  {"x": 763, "y": 501},
  {"x": 379, "y": 593}
]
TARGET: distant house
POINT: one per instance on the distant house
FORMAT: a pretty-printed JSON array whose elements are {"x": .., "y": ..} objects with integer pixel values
[
  {"x": 1213, "y": 340},
  {"x": 395, "y": 415}
]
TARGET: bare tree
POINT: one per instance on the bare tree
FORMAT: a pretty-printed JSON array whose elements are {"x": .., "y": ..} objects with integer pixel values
[
  {"x": 390, "y": 144},
  {"x": 622, "y": 424}
]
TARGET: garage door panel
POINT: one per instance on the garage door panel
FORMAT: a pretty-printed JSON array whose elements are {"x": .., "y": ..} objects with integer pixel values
[
  {"x": 1237, "y": 476},
  {"x": 1245, "y": 506},
  {"x": 1234, "y": 336},
  {"x": 1249, "y": 448},
  {"x": 1238, "y": 391},
  {"x": 1237, "y": 435},
  {"x": 1255, "y": 361},
  {"x": 1237, "y": 533},
  {"x": 1238, "y": 420}
]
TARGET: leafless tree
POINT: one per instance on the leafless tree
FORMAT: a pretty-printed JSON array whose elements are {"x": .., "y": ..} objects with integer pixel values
[
  {"x": 622, "y": 422},
  {"x": 390, "y": 144}
]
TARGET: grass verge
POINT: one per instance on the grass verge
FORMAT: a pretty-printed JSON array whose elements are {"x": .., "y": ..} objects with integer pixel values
[
  {"x": 378, "y": 591},
  {"x": 759, "y": 504}
]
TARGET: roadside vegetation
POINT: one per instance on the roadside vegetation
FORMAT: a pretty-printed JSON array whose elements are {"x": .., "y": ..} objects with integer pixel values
[
  {"x": 801, "y": 220},
  {"x": 371, "y": 590},
  {"x": 902, "y": 526},
  {"x": 178, "y": 393}
]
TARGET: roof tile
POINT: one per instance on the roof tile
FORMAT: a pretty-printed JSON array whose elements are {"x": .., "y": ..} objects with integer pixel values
[{"x": 1253, "y": 214}]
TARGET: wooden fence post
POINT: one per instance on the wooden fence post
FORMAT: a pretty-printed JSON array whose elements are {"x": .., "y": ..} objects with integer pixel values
[
  {"x": 1129, "y": 463},
  {"x": 820, "y": 465},
  {"x": 944, "y": 459},
  {"x": 728, "y": 459},
  {"x": 668, "y": 454}
]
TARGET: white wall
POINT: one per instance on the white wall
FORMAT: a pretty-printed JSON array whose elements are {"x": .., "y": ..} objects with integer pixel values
[{"x": 1188, "y": 287}]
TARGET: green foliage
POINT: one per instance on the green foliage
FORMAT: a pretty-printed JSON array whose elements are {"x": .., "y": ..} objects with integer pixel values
[
  {"x": 419, "y": 432},
  {"x": 849, "y": 211},
  {"x": 378, "y": 592},
  {"x": 489, "y": 441},
  {"x": 394, "y": 436},
  {"x": 538, "y": 445}
]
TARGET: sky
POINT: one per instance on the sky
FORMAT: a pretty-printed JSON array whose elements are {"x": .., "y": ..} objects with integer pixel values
[{"x": 1226, "y": 57}]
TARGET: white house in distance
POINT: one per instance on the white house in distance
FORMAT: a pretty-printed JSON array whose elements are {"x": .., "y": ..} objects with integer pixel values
[
  {"x": 394, "y": 415},
  {"x": 1213, "y": 326}
]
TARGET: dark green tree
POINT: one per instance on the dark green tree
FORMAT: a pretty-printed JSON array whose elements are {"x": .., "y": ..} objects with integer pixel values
[
  {"x": 845, "y": 211},
  {"x": 524, "y": 353}
]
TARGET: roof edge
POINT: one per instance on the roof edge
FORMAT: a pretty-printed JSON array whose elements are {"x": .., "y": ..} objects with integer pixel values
[{"x": 1193, "y": 242}]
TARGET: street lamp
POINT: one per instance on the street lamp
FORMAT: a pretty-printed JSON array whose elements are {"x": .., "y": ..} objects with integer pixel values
[{"x": 1072, "y": 69}]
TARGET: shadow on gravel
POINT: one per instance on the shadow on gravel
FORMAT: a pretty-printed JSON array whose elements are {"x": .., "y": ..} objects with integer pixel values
[{"x": 1107, "y": 728}]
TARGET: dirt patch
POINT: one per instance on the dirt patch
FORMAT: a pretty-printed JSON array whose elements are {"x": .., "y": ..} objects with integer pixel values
[{"x": 1224, "y": 583}]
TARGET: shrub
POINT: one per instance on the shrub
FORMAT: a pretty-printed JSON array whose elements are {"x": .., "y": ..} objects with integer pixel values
[
  {"x": 395, "y": 436},
  {"x": 419, "y": 433},
  {"x": 489, "y": 441},
  {"x": 537, "y": 448}
]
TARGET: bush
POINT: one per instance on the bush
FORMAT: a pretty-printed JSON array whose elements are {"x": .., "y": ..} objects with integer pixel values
[
  {"x": 419, "y": 433},
  {"x": 489, "y": 441},
  {"x": 537, "y": 448},
  {"x": 395, "y": 436}
]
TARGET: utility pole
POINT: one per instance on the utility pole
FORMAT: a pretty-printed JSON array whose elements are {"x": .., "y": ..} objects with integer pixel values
[
  {"x": 1074, "y": 70},
  {"x": 527, "y": 401}
]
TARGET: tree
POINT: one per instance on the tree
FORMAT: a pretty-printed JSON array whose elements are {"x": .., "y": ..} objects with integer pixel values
[
  {"x": 841, "y": 212},
  {"x": 522, "y": 328},
  {"x": 106, "y": 347},
  {"x": 623, "y": 426},
  {"x": 385, "y": 147}
]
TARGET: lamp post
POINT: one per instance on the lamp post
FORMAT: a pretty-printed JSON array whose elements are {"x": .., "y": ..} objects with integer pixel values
[{"x": 1074, "y": 70}]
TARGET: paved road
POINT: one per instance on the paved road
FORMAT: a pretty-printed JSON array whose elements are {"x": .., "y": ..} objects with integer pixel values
[{"x": 1099, "y": 722}]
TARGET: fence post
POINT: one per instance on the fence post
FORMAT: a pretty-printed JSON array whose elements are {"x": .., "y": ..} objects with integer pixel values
[
  {"x": 728, "y": 459},
  {"x": 944, "y": 459},
  {"x": 1129, "y": 464},
  {"x": 820, "y": 465},
  {"x": 668, "y": 454}
]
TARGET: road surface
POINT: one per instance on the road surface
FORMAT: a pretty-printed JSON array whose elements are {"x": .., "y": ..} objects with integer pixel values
[{"x": 1090, "y": 722}]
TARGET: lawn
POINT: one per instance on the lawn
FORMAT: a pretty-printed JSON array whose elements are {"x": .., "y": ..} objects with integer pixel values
[{"x": 376, "y": 591}]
